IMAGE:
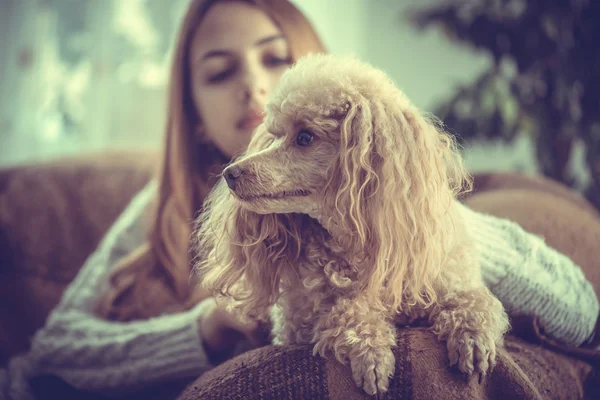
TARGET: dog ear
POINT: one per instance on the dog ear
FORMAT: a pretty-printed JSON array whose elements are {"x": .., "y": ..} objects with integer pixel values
[
  {"x": 398, "y": 177},
  {"x": 242, "y": 254},
  {"x": 353, "y": 178}
]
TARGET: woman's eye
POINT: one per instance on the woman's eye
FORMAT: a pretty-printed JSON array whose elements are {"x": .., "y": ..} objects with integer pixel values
[
  {"x": 221, "y": 76},
  {"x": 277, "y": 61},
  {"x": 304, "y": 138}
]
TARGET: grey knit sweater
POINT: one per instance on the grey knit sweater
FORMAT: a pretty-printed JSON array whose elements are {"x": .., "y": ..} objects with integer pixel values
[{"x": 93, "y": 354}]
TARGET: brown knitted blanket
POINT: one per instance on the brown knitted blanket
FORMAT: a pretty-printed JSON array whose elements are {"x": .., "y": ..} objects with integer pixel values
[{"x": 524, "y": 371}]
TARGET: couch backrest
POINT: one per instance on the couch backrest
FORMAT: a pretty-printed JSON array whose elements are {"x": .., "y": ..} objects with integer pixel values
[{"x": 52, "y": 216}]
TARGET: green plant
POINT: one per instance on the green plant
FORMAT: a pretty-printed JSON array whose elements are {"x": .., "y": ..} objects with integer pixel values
[{"x": 544, "y": 81}]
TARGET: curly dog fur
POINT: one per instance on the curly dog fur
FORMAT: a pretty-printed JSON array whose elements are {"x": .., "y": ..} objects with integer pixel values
[{"x": 342, "y": 215}]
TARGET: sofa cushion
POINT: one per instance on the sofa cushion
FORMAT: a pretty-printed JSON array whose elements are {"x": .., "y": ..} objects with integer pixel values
[
  {"x": 52, "y": 216},
  {"x": 490, "y": 181}
]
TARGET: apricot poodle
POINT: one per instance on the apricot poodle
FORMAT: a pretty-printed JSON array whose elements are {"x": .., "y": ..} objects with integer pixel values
[{"x": 341, "y": 222}]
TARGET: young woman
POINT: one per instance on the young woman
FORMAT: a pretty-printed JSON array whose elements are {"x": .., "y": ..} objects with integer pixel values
[{"x": 131, "y": 318}]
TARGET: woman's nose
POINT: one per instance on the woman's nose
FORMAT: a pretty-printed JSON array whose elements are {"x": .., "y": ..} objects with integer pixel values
[
  {"x": 250, "y": 92},
  {"x": 253, "y": 87}
]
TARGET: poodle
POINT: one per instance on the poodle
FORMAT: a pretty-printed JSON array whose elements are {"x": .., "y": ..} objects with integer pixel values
[{"x": 341, "y": 221}]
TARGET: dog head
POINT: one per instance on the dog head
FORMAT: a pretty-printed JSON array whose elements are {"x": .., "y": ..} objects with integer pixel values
[{"x": 341, "y": 143}]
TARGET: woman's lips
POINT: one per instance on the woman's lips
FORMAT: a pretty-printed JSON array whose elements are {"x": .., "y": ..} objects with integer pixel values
[{"x": 251, "y": 120}]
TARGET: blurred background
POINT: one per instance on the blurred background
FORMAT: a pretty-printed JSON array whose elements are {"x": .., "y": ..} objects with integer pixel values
[{"x": 516, "y": 81}]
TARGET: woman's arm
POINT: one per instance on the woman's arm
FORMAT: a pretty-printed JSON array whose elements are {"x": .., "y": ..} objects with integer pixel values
[
  {"x": 532, "y": 279},
  {"x": 94, "y": 354}
]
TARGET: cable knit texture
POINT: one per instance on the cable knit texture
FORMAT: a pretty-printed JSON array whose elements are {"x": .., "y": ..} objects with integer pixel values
[
  {"x": 532, "y": 279},
  {"x": 90, "y": 353},
  {"x": 94, "y": 354}
]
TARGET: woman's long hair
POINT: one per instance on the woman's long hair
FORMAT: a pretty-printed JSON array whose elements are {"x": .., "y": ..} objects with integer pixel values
[{"x": 155, "y": 278}]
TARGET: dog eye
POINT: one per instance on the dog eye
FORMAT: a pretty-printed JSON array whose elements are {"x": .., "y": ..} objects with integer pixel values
[{"x": 304, "y": 138}]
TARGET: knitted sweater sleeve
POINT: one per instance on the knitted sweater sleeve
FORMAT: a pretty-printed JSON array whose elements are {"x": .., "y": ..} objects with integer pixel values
[
  {"x": 94, "y": 354},
  {"x": 530, "y": 278}
]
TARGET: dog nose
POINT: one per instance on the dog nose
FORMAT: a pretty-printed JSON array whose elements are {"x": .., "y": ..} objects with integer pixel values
[{"x": 231, "y": 174}]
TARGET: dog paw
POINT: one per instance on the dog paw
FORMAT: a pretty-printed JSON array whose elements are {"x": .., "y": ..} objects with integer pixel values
[
  {"x": 372, "y": 370},
  {"x": 473, "y": 353}
]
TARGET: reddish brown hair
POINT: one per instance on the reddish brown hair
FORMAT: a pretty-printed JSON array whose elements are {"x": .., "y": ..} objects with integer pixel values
[{"x": 156, "y": 278}]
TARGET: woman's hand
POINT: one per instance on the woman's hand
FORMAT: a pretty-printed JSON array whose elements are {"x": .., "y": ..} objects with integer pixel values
[{"x": 220, "y": 331}]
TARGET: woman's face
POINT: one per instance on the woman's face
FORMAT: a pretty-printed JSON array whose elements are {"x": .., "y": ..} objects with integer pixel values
[{"x": 238, "y": 54}]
